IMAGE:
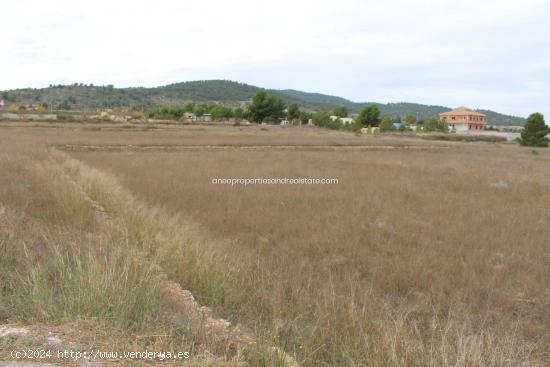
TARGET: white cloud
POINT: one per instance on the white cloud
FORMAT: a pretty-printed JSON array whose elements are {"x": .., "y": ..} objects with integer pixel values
[{"x": 490, "y": 54}]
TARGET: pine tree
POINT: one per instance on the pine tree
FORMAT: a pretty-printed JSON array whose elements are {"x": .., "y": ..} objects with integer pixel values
[
  {"x": 534, "y": 132},
  {"x": 370, "y": 116},
  {"x": 264, "y": 106},
  {"x": 340, "y": 111}
]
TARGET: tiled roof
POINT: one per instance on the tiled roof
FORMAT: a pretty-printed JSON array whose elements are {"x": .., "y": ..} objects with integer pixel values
[{"x": 462, "y": 111}]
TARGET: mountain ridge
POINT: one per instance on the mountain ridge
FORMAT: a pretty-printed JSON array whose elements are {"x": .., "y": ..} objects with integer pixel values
[{"x": 89, "y": 97}]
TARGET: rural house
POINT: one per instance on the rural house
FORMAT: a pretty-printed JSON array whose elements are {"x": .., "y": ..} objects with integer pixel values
[
  {"x": 207, "y": 117},
  {"x": 463, "y": 119},
  {"x": 344, "y": 120},
  {"x": 1, "y": 103}
]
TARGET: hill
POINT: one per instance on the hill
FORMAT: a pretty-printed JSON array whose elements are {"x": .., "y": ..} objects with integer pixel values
[
  {"x": 90, "y": 97},
  {"x": 421, "y": 111}
]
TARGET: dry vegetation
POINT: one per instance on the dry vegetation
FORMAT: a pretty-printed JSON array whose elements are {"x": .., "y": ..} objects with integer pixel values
[
  {"x": 69, "y": 268},
  {"x": 436, "y": 256}
]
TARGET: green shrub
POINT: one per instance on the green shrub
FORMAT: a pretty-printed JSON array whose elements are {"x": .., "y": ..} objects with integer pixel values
[
  {"x": 387, "y": 124},
  {"x": 435, "y": 124},
  {"x": 535, "y": 131}
]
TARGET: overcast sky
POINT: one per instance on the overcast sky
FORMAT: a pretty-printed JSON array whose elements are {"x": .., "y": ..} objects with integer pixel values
[{"x": 491, "y": 54}]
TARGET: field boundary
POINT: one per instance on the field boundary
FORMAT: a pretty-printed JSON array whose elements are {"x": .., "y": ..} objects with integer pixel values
[
  {"x": 214, "y": 147},
  {"x": 232, "y": 336}
]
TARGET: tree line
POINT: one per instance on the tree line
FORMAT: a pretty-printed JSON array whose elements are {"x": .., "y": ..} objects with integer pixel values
[{"x": 266, "y": 108}]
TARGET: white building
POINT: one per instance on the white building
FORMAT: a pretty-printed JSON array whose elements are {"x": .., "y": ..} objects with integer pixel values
[
  {"x": 345, "y": 120},
  {"x": 1, "y": 103},
  {"x": 207, "y": 117}
]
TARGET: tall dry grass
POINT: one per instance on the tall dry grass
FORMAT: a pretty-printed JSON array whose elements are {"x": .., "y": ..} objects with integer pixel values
[
  {"x": 416, "y": 258},
  {"x": 55, "y": 262},
  {"x": 61, "y": 264}
]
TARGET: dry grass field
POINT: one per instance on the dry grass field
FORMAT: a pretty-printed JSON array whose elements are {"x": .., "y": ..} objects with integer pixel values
[{"x": 426, "y": 253}]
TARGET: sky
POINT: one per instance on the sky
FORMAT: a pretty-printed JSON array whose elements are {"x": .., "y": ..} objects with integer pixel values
[{"x": 491, "y": 54}]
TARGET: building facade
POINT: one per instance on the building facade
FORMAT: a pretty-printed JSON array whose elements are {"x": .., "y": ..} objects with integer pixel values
[
  {"x": 463, "y": 119},
  {"x": 344, "y": 120},
  {"x": 207, "y": 117}
]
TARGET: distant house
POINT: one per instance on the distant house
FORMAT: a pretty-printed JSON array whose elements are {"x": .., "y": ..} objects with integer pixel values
[
  {"x": 285, "y": 122},
  {"x": 207, "y": 117},
  {"x": 345, "y": 120},
  {"x": 463, "y": 119},
  {"x": 189, "y": 116},
  {"x": 1, "y": 103}
]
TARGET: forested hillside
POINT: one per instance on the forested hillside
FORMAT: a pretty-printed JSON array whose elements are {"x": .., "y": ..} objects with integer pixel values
[{"x": 79, "y": 97}]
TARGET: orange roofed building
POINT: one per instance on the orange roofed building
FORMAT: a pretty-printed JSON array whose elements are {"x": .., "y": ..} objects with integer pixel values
[{"x": 464, "y": 119}]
